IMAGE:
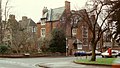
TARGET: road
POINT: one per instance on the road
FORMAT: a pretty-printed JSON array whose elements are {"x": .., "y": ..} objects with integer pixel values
[{"x": 52, "y": 62}]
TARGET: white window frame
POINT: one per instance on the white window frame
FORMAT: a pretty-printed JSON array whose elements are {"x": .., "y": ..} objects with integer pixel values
[
  {"x": 74, "y": 31},
  {"x": 42, "y": 32},
  {"x": 33, "y": 29},
  {"x": 42, "y": 22},
  {"x": 79, "y": 46},
  {"x": 83, "y": 37}
]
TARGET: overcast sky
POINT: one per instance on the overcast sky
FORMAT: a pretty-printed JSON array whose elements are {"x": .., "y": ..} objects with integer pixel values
[{"x": 33, "y": 8}]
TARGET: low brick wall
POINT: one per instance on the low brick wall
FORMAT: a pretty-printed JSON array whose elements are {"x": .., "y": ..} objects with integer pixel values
[
  {"x": 22, "y": 55},
  {"x": 57, "y": 54},
  {"x": 116, "y": 66},
  {"x": 12, "y": 56}
]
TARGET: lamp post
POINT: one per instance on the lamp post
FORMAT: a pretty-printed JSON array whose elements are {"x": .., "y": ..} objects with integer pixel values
[{"x": 66, "y": 46}]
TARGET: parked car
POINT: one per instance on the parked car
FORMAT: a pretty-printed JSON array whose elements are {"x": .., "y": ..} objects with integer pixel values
[
  {"x": 80, "y": 53},
  {"x": 119, "y": 53},
  {"x": 96, "y": 52},
  {"x": 106, "y": 54}
]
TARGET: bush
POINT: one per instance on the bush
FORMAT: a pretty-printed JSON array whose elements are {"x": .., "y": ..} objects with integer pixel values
[
  {"x": 58, "y": 41},
  {"x": 3, "y": 49}
]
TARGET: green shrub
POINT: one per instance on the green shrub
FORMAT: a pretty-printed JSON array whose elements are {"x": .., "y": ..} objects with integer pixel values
[
  {"x": 3, "y": 49},
  {"x": 58, "y": 41}
]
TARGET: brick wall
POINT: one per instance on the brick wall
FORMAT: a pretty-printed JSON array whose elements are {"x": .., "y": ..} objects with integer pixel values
[
  {"x": 47, "y": 26},
  {"x": 38, "y": 30}
]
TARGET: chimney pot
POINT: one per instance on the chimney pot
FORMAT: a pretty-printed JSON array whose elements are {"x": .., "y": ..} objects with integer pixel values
[{"x": 24, "y": 18}]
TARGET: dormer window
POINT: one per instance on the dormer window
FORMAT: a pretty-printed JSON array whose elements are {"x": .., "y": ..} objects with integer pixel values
[{"x": 43, "y": 22}]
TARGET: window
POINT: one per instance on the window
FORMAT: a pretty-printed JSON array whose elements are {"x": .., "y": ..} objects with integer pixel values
[
  {"x": 79, "y": 46},
  {"x": 74, "y": 31},
  {"x": 62, "y": 20},
  {"x": 42, "y": 22},
  {"x": 85, "y": 35},
  {"x": 33, "y": 29},
  {"x": 84, "y": 32},
  {"x": 42, "y": 32}
]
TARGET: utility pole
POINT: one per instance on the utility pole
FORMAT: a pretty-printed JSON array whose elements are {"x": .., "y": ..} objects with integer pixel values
[{"x": 0, "y": 22}]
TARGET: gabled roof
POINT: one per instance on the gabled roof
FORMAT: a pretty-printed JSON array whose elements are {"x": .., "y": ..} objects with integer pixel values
[
  {"x": 54, "y": 14},
  {"x": 26, "y": 23},
  {"x": 31, "y": 23}
]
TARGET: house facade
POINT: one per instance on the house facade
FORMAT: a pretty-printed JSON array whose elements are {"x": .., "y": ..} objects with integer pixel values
[
  {"x": 28, "y": 30},
  {"x": 78, "y": 34},
  {"x": 28, "y": 24},
  {"x": 18, "y": 34},
  {"x": 53, "y": 18},
  {"x": 10, "y": 29}
]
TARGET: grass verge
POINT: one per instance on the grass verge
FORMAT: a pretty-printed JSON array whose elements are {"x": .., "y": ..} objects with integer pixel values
[{"x": 101, "y": 61}]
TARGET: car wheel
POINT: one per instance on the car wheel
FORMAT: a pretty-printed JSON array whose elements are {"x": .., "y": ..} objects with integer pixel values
[
  {"x": 103, "y": 56},
  {"x": 75, "y": 55},
  {"x": 116, "y": 56}
]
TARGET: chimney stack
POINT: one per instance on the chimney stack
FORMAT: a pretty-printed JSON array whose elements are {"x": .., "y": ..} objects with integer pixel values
[
  {"x": 11, "y": 16},
  {"x": 67, "y": 7},
  {"x": 24, "y": 18}
]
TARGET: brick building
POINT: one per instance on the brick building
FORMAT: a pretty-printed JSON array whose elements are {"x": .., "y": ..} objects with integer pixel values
[
  {"x": 28, "y": 30},
  {"x": 53, "y": 18},
  {"x": 77, "y": 30},
  {"x": 17, "y": 34},
  {"x": 10, "y": 29}
]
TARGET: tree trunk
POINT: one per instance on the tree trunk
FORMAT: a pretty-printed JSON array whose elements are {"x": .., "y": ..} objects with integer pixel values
[
  {"x": 113, "y": 42},
  {"x": 93, "y": 58},
  {"x": 17, "y": 50}
]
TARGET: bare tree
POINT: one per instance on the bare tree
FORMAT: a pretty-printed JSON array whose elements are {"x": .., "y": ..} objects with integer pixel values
[
  {"x": 22, "y": 40},
  {"x": 6, "y": 13},
  {"x": 97, "y": 23},
  {"x": 101, "y": 11},
  {"x": 3, "y": 24}
]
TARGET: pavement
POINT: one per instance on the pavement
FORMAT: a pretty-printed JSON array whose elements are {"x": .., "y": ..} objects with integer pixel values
[
  {"x": 67, "y": 65},
  {"x": 117, "y": 60},
  {"x": 71, "y": 64},
  {"x": 116, "y": 63}
]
